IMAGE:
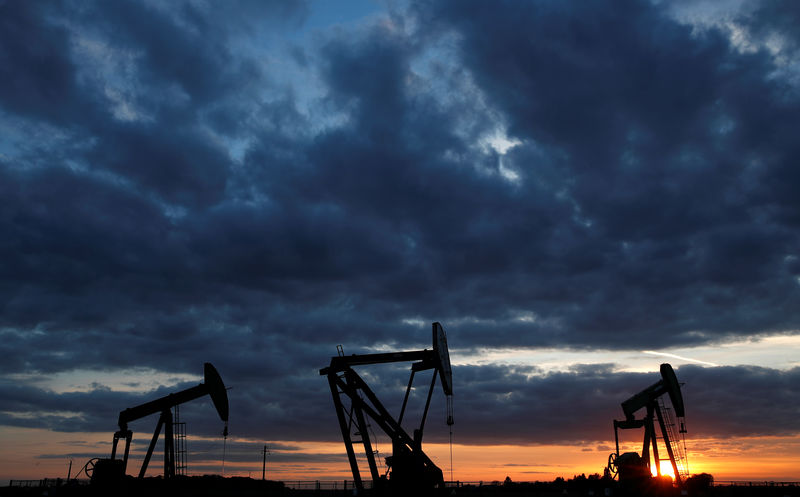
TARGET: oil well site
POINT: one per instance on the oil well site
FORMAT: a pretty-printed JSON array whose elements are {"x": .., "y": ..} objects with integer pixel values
[
  {"x": 656, "y": 413},
  {"x": 399, "y": 248}
]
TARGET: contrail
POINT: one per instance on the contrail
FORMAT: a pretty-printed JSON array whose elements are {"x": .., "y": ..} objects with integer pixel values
[{"x": 675, "y": 356}]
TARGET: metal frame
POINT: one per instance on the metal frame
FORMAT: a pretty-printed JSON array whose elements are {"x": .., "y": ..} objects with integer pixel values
[
  {"x": 411, "y": 467},
  {"x": 213, "y": 386},
  {"x": 648, "y": 398}
]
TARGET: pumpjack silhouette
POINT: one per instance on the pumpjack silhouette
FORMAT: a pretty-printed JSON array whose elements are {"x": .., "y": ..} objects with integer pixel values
[{"x": 411, "y": 469}]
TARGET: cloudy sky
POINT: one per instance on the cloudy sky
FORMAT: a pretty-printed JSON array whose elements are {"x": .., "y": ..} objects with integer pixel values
[{"x": 576, "y": 191}]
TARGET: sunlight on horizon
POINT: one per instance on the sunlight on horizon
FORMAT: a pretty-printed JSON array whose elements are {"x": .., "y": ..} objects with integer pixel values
[
  {"x": 725, "y": 459},
  {"x": 666, "y": 469}
]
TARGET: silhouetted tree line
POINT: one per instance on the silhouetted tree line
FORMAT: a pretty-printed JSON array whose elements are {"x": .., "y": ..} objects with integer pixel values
[{"x": 600, "y": 485}]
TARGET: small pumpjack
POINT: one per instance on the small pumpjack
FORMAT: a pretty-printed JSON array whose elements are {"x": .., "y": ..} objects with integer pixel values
[
  {"x": 113, "y": 469},
  {"x": 411, "y": 469},
  {"x": 630, "y": 467}
]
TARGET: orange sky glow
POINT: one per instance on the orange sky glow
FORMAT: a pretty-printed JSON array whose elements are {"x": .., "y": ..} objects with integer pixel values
[{"x": 24, "y": 456}]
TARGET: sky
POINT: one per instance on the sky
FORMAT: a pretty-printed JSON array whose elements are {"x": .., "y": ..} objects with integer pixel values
[{"x": 577, "y": 191}]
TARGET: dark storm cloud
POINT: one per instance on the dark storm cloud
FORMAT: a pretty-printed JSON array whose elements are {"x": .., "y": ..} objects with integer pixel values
[
  {"x": 677, "y": 224},
  {"x": 774, "y": 18},
  {"x": 493, "y": 405},
  {"x": 36, "y": 74},
  {"x": 167, "y": 201}
]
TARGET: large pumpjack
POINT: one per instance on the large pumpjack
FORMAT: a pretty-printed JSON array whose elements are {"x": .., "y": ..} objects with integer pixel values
[
  {"x": 411, "y": 469},
  {"x": 109, "y": 470},
  {"x": 631, "y": 466}
]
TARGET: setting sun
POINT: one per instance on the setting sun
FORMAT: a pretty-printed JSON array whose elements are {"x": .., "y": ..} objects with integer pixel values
[{"x": 666, "y": 469}]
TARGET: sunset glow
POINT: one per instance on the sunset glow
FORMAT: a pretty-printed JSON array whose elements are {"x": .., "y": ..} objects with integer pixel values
[
  {"x": 724, "y": 459},
  {"x": 666, "y": 469}
]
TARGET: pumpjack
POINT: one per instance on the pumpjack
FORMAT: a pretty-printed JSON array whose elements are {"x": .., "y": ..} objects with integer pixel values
[
  {"x": 109, "y": 470},
  {"x": 631, "y": 466},
  {"x": 411, "y": 469}
]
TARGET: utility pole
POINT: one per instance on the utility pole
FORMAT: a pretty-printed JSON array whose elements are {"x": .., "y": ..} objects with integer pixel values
[{"x": 264, "y": 466}]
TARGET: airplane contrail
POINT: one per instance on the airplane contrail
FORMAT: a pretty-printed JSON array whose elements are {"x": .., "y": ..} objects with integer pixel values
[{"x": 675, "y": 356}]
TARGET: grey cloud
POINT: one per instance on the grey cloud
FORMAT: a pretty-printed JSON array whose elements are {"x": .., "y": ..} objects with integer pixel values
[{"x": 578, "y": 407}]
